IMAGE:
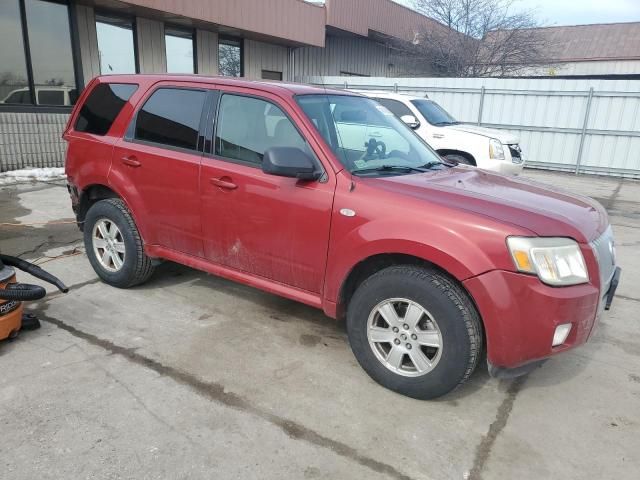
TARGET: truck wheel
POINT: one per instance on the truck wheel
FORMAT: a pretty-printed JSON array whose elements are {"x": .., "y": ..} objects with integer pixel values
[
  {"x": 458, "y": 159},
  {"x": 114, "y": 245},
  {"x": 414, "y": 331}
]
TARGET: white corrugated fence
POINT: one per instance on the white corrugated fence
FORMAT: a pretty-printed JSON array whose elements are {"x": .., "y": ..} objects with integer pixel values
[{"x": 584, "y": 126}]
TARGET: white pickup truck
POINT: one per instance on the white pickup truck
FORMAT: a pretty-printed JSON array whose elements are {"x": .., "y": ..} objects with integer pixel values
[{"x": 464, "y": 143}]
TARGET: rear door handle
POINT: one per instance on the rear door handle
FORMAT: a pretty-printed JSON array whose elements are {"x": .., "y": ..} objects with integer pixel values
[
  {"x": 131, "y": 161},
  {"x": 222, "y": 183}
]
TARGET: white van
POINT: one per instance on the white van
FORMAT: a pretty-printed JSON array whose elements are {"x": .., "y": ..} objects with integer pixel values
[
  {"x": 45, "y": 95},
  {"x": 464, "y": 143}
]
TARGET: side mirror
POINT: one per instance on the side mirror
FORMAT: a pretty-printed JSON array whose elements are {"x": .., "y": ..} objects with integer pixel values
[
  {"x": 289, "y": 162},
  {"x": 411, "y": 121}
]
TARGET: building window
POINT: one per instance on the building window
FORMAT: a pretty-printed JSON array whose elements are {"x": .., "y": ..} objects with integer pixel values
[
  {"x": 271, "y": 75},
  {"x": 179, "y": 50},
  {"x": 230, "y": 57},
  {"x": 38, "y": 30},
  {"x": 14, "y": 83},
  {"x": 115, "y": 45}
]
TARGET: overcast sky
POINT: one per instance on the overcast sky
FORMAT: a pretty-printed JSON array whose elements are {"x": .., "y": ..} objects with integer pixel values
[{"x": 574, "y": 12}]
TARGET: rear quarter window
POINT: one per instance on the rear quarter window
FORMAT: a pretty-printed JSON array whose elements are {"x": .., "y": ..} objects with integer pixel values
[{"x": 102, "y": 106}]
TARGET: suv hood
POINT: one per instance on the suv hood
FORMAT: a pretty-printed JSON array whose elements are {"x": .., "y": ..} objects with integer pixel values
[
  {"x": 539, "y": 208},
  {"x": 505, "y": 137}
]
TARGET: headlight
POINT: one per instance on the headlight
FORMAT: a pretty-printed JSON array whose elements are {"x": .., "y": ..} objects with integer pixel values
[
  {"x": 496, "y": 152},
  {"x": 556, "y": 261}
]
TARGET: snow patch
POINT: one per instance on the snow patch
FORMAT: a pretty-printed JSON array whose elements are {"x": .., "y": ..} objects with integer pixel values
[{"x": 32, "y": 175}]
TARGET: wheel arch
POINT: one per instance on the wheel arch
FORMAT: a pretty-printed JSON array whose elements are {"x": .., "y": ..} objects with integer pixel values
[
  {"x": 99, "y": 191},
  {"x": 374, "y": 263},
  {"x": 447, "y": 151},
  {"x": 90, "y": 195}
]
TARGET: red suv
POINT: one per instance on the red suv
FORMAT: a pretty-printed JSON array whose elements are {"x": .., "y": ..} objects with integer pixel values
[{"x": 324, "y": 197}]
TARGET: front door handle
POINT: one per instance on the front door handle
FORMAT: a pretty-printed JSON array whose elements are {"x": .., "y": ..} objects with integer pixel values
[
  {"x": 131, "y": 161},
  {"x": 223, "y": 182}
]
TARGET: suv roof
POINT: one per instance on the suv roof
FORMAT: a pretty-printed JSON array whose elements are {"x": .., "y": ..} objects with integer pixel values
[
  {"x": 281, "y": 87},
  {"x": 390, "y": 95}
]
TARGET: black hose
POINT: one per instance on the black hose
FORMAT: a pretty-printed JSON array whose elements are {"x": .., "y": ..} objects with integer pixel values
[
  {"x": 34, "y": 270},
  {"x": 22, "y": 292}
]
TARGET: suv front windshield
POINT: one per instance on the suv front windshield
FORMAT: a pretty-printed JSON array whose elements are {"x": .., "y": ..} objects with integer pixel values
[
  {"x": 366, "y": 137},
  {"x": 434, "y": 113}
]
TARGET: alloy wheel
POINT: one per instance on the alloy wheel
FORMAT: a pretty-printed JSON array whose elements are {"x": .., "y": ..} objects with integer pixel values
[
  {"x": 108, "y": 245},
  {"x": 404, "y": 337}
]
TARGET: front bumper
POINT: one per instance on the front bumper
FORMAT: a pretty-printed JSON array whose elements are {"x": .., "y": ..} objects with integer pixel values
[{"x": 520, "y": 315}]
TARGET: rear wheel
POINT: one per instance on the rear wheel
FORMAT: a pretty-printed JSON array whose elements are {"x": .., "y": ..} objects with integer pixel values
[
  {"x": 414, "y": 331},
  {"x": 114, "y": 245}
]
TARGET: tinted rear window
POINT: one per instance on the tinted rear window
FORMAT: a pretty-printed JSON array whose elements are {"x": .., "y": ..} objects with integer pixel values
[
  {"x": 171, "y": 117},
  {"x": 103, "y": 106}
]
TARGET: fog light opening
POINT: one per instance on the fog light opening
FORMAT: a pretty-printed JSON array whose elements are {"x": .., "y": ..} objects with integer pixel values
[{"x": 561, "y": 334}]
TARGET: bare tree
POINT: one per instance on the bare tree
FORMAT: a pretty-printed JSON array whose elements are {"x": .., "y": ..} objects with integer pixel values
[
  {"x": 229, "y": 61},
  {"x": 476, "y": 38}
]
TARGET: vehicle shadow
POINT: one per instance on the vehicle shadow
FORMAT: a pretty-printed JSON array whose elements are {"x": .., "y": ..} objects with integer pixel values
[{"x": 170, "y": 275}]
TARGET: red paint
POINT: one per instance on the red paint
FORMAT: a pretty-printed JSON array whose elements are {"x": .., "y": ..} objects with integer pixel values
[{"x": 288, "y": 237}]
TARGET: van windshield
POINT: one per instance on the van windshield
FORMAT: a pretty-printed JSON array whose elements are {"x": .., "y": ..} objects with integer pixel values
[
  {"x": 366, "y": 137},
  {"x": 434, "y": 113}
]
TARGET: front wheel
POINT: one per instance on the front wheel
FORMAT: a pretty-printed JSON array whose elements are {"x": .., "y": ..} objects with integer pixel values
[{"x": 414, "y": 331}]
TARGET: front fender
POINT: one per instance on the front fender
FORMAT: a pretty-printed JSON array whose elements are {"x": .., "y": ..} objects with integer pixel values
[{"x": 457, "y": 252}]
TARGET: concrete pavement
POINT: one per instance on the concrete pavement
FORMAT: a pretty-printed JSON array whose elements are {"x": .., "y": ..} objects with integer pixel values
[{"x": 193, "y": 376}]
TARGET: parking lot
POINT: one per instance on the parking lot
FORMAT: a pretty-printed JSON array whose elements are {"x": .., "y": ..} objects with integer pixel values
[{"x": 193, "y": 376}]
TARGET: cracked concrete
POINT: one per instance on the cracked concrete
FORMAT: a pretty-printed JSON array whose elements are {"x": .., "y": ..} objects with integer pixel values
[{"x": 192, "y": 376}]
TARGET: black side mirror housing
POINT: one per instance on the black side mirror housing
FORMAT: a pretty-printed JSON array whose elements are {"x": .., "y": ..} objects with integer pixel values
[
  {"x": 411, "y": 121},
  {"x": 289, "y": 162}
]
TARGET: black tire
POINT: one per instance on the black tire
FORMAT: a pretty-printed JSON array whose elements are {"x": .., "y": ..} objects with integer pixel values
[
  {"x": 456, "y": 317},
  {"x": 137, "y": 267},
  {"x": 459, "y": 159}
]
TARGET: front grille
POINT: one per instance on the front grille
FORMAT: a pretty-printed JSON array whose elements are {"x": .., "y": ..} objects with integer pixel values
[
  {"x": 604, "y": 249},
  {"x": 516, "y": 153}
]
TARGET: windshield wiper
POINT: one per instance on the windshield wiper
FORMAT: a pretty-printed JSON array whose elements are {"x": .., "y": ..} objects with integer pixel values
[
  {"x": 389, "y": 168},
  {"x": 430, "y": 165}
]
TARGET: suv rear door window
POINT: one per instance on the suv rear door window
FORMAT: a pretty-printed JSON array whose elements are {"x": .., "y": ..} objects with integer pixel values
[
  {"x": 248, "y": 126},
  {"x": 103, "y": 106},
  {"x": 171, "y": 116}
]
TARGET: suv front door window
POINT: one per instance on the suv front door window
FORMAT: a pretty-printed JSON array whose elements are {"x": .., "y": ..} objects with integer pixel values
[{"x": 399, "y": 109}]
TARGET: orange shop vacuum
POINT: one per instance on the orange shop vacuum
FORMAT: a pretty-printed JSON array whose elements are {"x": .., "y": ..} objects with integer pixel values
[{"x": 12, "y": 294}]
